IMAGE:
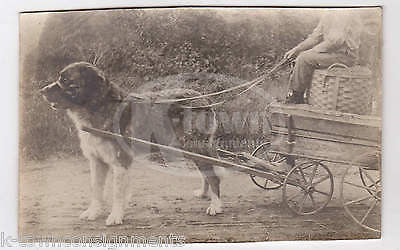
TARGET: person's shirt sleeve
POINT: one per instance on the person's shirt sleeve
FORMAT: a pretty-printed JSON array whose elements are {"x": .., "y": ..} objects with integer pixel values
[
  {"x": 313, "y": 39},
  {"x": 333, "y": 42}
]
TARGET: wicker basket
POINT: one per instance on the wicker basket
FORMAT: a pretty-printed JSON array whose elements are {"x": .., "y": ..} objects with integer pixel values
[{"x": 342, "y": 88}]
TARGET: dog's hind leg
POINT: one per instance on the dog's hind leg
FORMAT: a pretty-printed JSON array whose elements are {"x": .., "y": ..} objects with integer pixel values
[
  {"x": 119, "y": 189},
  {"x": 214, "y": 182},
  {"x": 98, "y": 173}
]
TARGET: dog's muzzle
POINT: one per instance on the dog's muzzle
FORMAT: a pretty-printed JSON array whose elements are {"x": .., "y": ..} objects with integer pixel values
[{"x": 49, "y": 90}]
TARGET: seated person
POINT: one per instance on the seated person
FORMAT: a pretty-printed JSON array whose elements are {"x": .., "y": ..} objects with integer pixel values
[{"x": 336, "y": 39}]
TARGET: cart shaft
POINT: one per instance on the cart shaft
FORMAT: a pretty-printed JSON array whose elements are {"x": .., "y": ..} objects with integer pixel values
[{"x": 199, "y": 157}]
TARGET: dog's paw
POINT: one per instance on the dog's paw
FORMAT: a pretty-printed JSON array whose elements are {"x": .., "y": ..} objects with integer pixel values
[
  {"x": 115, "y": 218},
  {"x": 200, "y": 194},
  {"x": 92, "y": 213},
  {"x": 214, "y": 210}
]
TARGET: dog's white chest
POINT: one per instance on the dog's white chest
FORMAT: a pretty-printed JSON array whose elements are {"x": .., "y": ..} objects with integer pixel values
[
  {"x": 96, "y": 146},
  {"x": 93, "y": 146}
]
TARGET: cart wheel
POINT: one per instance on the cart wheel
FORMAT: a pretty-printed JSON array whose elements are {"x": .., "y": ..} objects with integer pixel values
[
  {"x": 308, "y": 188},
  {"x": 262, "y": 152},
  {"x": 361, "y": 197}
]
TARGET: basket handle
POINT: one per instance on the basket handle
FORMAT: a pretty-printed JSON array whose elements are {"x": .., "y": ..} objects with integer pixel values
[
  {"x": 336, "y": 86},
  {"x": 337, "y": 65}
]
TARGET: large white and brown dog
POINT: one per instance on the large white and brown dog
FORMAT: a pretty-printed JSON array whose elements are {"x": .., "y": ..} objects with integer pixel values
[{"x": 91, "y": 100}]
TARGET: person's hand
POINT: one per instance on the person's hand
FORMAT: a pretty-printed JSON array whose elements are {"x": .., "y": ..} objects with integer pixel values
[{"x": 291, "y": 54}]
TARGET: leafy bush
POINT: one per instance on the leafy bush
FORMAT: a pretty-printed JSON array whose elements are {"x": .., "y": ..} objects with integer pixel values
[{"x": 140, "y": 45}]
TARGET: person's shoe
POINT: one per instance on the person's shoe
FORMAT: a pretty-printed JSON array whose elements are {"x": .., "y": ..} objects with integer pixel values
[{"x": 295, "y": 97}]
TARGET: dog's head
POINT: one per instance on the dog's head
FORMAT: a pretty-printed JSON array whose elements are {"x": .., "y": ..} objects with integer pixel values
[{"x": 79, "y": 85}]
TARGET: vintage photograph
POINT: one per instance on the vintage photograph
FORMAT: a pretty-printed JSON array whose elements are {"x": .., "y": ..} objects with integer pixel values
[{"x": 177, "y": 125}]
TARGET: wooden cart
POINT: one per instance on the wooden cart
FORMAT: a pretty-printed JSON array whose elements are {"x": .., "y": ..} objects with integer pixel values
[{"x": 306, "y": 140}]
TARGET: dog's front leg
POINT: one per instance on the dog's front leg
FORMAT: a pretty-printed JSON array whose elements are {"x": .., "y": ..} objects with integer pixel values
[
  {"x": 98, "y": 173},
  {"x": 119, "y": 188},
  {"x": 216, "y": 204},
  {"x": 203, "y": 191}
]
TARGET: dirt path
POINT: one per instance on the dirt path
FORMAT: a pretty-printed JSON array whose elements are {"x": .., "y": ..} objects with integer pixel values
[{"x": 54, "y": 193}]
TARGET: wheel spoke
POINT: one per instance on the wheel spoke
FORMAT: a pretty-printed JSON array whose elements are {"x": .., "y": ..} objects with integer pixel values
[
  {"x": 358, "y": 200},
  {"x": 321, "y": 192},
  {"x": 313, "y": 174},
  {"x": 302, "y": 202},
  {"x": 266, "y": 157},
  {"x": 308, "y": 166},
  {"x": 368, "y": 176},
  {"x": 302, "y": 175},
  {"x": 293, "y": 196},
  {"x": 359, "y": 186},
  {"x": 321, "y": 180},
  {"x": 312, "y": 199},
  {"x": 266, "y": 183},
  {"x": 375, "y": 183},
  {"x": 295, "y": 180},
  {"x": 281, "y": 160},
  {"x": 369, "y": 211}
]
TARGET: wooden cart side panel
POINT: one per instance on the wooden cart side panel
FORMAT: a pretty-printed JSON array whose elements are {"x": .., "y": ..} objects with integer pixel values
[
  {"x": 325, "y": 137},
  {"x": 326, "y": 126},
  {"x": 310, "y": 111},
  {"x": 324, "y": 134},
  {"x": 320, "y": 149}
]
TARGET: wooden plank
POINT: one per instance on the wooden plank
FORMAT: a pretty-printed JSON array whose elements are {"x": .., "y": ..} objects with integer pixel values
[
  {"x": 319, "y": 149},
  {"x": 322, "y": 158},
  {"x": 340, "y": 124},
  {"x": 310, "y": 111},
  {"x": 327, "y": 126},
  {"x": 325, "y": 137}
]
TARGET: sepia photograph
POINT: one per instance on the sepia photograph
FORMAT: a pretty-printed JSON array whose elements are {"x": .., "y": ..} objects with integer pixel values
[{"x": 175, "y": 125}]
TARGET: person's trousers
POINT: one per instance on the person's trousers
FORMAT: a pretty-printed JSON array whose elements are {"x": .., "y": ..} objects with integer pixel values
[{"x": 308, "y": 61}]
